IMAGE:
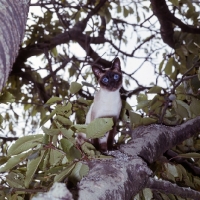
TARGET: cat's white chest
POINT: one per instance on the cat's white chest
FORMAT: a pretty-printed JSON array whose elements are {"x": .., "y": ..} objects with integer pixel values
[{"x": 106, "y": 104}]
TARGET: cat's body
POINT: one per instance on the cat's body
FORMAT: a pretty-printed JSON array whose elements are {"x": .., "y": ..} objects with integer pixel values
[{"x": 107, "y": 101}]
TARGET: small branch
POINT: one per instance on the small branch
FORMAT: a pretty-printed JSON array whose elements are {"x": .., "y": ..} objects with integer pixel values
[
  {"x": 6, "y": 139},
  {"x": 195, "y": 170},
  {"x": 184, "y": 77},
  {"x": 62, "y": 66},
  {"x": 46, "y": 53},
  {"x": 168, "y": 187},
  {"x": 23, "y": 190}
]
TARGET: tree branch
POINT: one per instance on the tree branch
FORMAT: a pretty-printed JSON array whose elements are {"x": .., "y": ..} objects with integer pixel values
[
  {"x": 168, "y": 187},
  {"x": 195, "y": 170},
  {"x": 118, "y": 178},
  {"x": 150, "y": 142},
  {"x": 166, "y": 19},
  {"x": 128, "y": 174},
  {"x": 161, "y": 11}
]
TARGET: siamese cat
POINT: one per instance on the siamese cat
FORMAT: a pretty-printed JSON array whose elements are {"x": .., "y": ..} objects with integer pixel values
[{"x": 107, "y": 101}]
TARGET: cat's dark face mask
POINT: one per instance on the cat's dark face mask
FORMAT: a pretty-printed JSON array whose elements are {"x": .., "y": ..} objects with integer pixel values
[{"x": 111, "y": 80}]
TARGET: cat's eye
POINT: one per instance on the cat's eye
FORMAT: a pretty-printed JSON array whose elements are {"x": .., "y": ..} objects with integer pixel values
[
  {"x": 116, "y": 76},
  {"x": 105, "y": 80}
]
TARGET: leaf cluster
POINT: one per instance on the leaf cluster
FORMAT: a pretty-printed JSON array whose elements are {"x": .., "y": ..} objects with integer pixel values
[{"x": 35, "y": 162}]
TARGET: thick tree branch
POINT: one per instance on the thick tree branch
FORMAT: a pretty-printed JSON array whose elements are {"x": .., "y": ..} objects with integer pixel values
[
  {"x": 93, "y": 54},
  {"x": 73, "y": 34},
  {"x": 125, "y": 175},
  {"x": 119, "y": 178},
  {"x": 161, "y": 11},
  {"x": 150, "y": 142},
  {"x": 167, "y": 19}
]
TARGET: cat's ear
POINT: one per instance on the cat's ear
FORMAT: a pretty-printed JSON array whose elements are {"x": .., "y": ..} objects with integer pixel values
[
  {"x": 97, "y": 71},
  {"x": 116, "y": 65}
]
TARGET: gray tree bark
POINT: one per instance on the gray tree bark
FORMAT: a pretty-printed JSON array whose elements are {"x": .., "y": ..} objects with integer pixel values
[
  {"x": 128, "y": 173},
  {"x": 13, "y": 17}
]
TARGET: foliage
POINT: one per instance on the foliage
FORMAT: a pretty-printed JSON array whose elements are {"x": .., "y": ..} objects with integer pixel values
[
  {"x": 37, "y": 161},
  {"x": 98, "y": 30}
]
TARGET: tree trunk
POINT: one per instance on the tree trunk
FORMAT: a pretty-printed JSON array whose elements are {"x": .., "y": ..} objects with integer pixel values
[{"x": 12, "y": 22}]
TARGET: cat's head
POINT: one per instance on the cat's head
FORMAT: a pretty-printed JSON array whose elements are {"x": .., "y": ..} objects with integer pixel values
[{"x": 111, "y": 78}]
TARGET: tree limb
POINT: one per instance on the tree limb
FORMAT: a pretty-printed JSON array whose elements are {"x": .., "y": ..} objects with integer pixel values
[
  {"x": 125, "y": 175},
  {"x": 195, "y": 170},
  {"x": 168, "y": 187},
  {"x": 150, "y": 142},
  {"x": 167, "y": 19}
]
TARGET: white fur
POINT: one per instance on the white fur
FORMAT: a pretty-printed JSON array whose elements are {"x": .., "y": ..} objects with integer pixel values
[{"x": 106, "y": 104}]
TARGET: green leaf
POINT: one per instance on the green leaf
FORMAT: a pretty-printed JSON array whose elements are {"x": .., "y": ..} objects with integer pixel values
[
  {"x": 47, "y": 117},
  {"x": 89, "y": 149},
  {"x": 141, "y": 97},
  {"x": 55, "y": 156},
  {"x": 104, "y": 11},
  {"x": 182, "y": 109},
  {"x": 25, "y": 143},
  {"x": 155, "y": 89},
  {"x": 77, "y": 16},
  {"x": 142, "y": 104},
  {"x": 78, "y": 172},
  {"x": 125, "y": 11},
  {"x": 68, "y": 133},
  {"x": 190, "y": 155},
  {"x": 65, "y": 111},
  {"x": 157, "y": 102},
  {"x": 195, "y": 106},
  {"x": 75, "y": 87},
  {"x": 161, "y": 66},
  {"x": 184, "y": 50},
  {"x": 126, "y": 105},
  {"x": 1, "y": 119},
  {"x": 70, "y": 150},
  {"x": 135, "y": 119},
  {"x": 63, "y": 120},
  {"x": 80, "y": 127},
  {"x": 6, "y": 97},
  {"x": 15, "y": 180},
  {"x": 27, "y": 106},
  {"x": 147, "y": 120},
  {"x": 147, "y": 193},
  {"x": 32, "y": 166},
  {"x": 131, "y": 11},
  {"x": 66, "y": 145},
  {"x": 51, "y": 131},
  {"x": 119, "y": 9},
  {"x": 54, "y": 100},
  {"x": 86, "y": 102},
  {"x": 15, "y": 160},
  {"x": 3, "y": 160},
  {"x": 98, "y": 127},
  {"x": 171, "y": 170},
  {"x": 174, "y": 2},
  {"x": 168, "y": 67},
  {"x": 59, "y": 177},
  {"x": 54, "y": 52},
  {"x": 198, "y": 73}
]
